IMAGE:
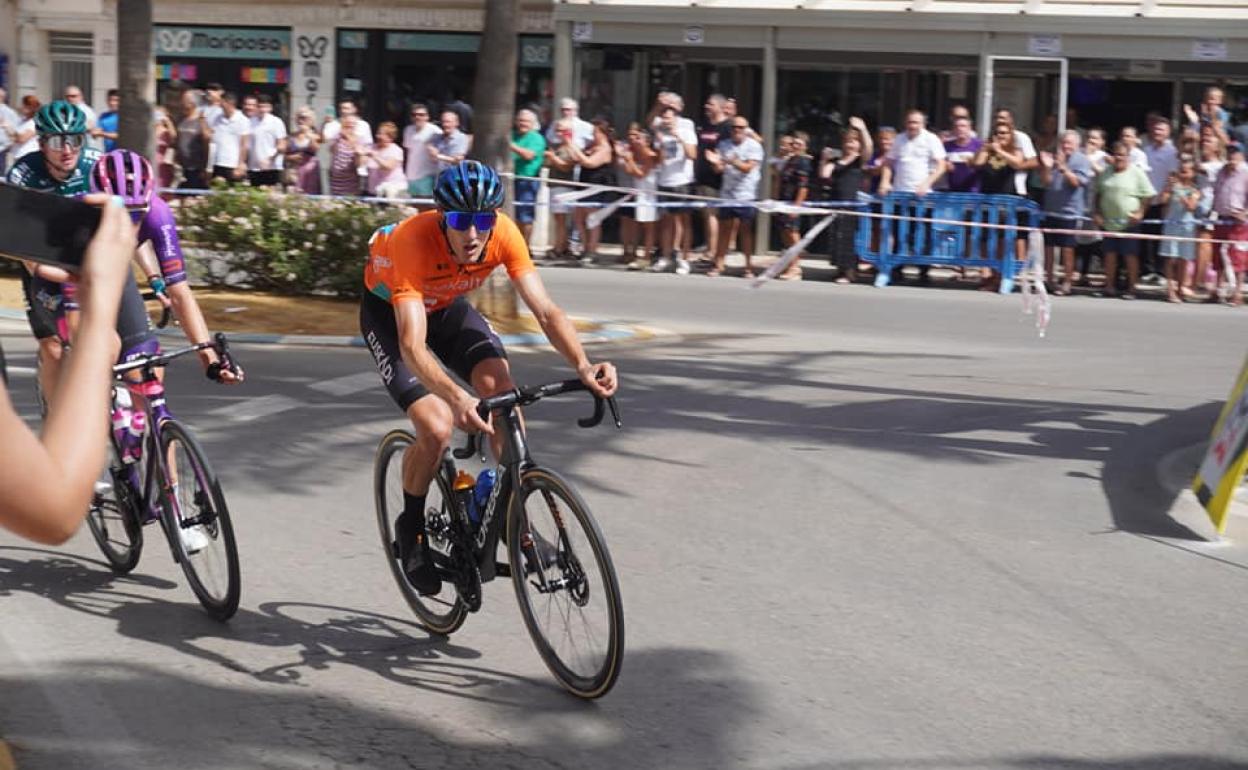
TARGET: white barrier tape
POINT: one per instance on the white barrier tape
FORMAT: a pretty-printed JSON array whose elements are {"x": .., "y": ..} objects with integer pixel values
[
  {"x": 1031, "y": 284},
  {"x": 792, "y": 253},
  {"x": 598, "y": 217},
  {"x": 780, "y": 207},
  {"x": 589, "y": 192}
]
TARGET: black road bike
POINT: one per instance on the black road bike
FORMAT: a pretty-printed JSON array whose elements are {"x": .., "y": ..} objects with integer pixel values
[
  {"x": 173, "y": 484},
  {"x": 557, "y": 558}
]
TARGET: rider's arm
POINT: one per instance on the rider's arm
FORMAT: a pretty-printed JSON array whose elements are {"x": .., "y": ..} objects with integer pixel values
[
  {"x": 562, "y": 334},
  {"x": 409, "y": 315},
  {"x": 46, "y": 483}
]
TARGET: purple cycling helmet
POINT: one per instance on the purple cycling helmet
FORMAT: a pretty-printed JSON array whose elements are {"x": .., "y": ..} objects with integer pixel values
[{"x": 127, "y": 174}]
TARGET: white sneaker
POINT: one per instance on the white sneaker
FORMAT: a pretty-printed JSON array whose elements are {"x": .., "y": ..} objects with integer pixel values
[
  {"x": 661, "y": 265},
  {"x": 682, "y": 266},
  {"x": 195, "y": 539}
]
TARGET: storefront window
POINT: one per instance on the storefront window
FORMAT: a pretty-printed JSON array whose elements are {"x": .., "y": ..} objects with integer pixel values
[
  {"x": 245, "y": 60},
  {"x": 385, "y": 72}
]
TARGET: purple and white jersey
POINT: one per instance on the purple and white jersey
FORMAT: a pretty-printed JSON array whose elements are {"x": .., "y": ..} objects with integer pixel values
[{"x": 159, "y": 227}]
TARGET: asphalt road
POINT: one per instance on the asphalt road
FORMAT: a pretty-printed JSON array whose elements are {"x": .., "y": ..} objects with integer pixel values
[{"x": 855, "y": 529}]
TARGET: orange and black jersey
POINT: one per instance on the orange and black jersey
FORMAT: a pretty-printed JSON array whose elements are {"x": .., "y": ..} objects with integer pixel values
[{"x": 412, "y": 261}]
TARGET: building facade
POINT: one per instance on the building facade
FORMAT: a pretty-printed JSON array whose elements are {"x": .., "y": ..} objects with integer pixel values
[
  {"x": 810, "y": 64},
  {"x": 381, "y": 54}
]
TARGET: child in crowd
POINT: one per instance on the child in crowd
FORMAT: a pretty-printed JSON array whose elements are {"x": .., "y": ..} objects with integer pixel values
[{"x": 1181, "y": 199}]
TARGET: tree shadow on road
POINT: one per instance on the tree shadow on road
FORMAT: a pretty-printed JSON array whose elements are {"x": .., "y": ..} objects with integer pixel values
[
  {"x": 680, "y": 698},
  {"x": 684, "y": 713}
]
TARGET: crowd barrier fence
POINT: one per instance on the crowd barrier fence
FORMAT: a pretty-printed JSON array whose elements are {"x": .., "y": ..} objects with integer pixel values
[{"x": 948, "y": 230}]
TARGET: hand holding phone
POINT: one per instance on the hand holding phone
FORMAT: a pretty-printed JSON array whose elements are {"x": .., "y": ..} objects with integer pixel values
[{"x": 45, "y": 228}]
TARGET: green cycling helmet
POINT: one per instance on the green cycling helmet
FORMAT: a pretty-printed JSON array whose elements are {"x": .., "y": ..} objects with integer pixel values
[{"x": 60, "y": 117}]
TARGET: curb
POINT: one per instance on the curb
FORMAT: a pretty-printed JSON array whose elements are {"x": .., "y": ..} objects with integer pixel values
[{"x": 608, "y": 331}]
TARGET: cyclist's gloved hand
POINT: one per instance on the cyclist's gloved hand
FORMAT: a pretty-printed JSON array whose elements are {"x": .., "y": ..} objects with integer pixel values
[
  {"x": 160, "y": 289},
  {"x": 599, "y": 378},
  {"x": 224, "y": 371}
]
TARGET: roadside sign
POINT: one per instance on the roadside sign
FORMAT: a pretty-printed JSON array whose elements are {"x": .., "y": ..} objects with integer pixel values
[{"x": 1226, "y": 461}]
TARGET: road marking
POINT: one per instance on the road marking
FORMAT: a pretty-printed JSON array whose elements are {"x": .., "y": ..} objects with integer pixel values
[
  {"x": 351, "y": 383},
  {"x": 255, "y": 408},
  {"x": 28, "y": 371}
]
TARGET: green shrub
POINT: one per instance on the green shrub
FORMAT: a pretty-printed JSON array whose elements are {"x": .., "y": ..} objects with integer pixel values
[{"x": 286, "y": 243}]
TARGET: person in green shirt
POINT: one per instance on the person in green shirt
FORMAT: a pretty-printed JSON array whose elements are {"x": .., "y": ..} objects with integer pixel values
[
  {"x": 528, "y": 148},
  {"x": 1123, "y": 193}
]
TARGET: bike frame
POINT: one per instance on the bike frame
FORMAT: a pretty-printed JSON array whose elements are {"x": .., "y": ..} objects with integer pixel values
[{"x": 515, "y": 460}]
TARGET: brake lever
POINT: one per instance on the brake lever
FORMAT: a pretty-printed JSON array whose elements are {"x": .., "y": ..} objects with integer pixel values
[
  {"x": 469, "y": 449},
  {"x": 615, "y": 412},
  {"x": 166, "y": 313}
]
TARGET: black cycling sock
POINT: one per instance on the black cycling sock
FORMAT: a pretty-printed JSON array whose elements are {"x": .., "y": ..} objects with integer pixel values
[{"x": 411, "y": 522}]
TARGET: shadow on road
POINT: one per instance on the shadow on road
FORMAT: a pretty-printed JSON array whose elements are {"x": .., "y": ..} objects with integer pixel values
[{"x": 676, "y": 706}]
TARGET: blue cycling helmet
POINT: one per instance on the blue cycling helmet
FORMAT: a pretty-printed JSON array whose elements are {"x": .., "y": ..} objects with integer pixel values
[
  {"x": 60, "y": 117},
  {"x": 468, "y": 186}
]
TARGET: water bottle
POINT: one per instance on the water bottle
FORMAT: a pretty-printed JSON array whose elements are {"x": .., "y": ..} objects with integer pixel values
[
  {"x": 121, "y": 414},
  {"x": 463, "y": 487},
  {"x": 132, "y": 447},
  {"x": 481, "y": 492}
]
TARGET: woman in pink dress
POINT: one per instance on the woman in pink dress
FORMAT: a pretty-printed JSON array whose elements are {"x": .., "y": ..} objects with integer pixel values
[
  {"x": 301, "y": 159},
  {"x": 385, "y": 164}
]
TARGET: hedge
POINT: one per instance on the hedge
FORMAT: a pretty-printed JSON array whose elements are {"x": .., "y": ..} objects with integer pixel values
[{"x": 285, "y": 243}]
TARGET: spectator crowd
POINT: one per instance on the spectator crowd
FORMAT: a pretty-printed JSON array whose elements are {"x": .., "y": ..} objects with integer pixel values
[{"x": 1183, "y": 178}]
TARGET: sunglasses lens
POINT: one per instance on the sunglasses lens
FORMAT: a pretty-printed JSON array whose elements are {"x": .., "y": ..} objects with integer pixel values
[{"x": 462, "y": 220}]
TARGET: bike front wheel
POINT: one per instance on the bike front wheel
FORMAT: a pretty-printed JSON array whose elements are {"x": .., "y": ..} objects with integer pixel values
[
  {"x": 114, "y": 518},
  {"x": 565, "y": 583},
  {"x": 442, "y": 613},
  {"x": 198, "y": 524}
]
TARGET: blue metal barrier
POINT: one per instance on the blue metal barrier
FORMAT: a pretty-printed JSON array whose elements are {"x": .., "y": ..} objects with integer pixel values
[{"x": 907, "y": 242}]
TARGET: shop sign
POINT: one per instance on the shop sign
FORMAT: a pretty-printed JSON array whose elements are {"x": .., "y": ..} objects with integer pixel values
[
  {"x": 1044, "y": 45},
  {"x": 221, "y": 43},
  {"x": 537, "y": 52},
  {"x": 695, "y": 35},
  {"x": 432, "y": 41},
  {"x": 265, "y": 75},
  {"x": 311, "y": 51},
  {"x": 582, "y": 31},
  {"x": 353, "y": 39},
  {"x": 1209, "y": 49},
  {"x": 188, "y": 72}
]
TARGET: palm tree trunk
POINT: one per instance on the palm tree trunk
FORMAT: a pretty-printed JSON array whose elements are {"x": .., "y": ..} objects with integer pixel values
[
  {"x": 493, "y": 102},
  {"x": 134, "y": 75}
]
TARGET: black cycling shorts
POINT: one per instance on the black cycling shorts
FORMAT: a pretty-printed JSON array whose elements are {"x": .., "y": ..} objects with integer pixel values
[
  {"x": 458, "y": 335},
  {"x": 45, "y": 306}
]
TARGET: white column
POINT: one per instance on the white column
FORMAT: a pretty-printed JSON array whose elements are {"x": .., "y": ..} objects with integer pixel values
[
  {"x": 311, "y": 69},
  {"x": 762, "y": 240},
  {"x": 26, "y": 66}
]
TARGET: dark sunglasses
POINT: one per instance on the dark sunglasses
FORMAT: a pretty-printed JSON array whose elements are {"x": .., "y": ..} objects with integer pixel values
[
  {"x": 462, "y": 220},
  {"x": 60, "y": 141}
]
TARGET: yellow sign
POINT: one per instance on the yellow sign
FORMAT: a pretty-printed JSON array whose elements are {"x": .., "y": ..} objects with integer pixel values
[{"x": 1226, "y": 462}]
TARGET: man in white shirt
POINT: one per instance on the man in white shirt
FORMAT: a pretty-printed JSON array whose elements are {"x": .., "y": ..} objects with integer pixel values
[
  {"x": 73, "y": 95},
  {"x": 915, "y": 163},
  {"x": 212, "y": 101},
  {"x": 739, "y": 158},
  {"x": 1163, "y": 160},
  {"x": 332, "y": 127},
  {"x": 916, "y": 160},
  {"x": 231, "y": 140},
  {"x": 421, "y": 169},
  {"x": 267, "y": 147},
  {"x": 677, "y": 145},
  {"x": 9, "y": 121},
  {"x": 582, "y": 130}
]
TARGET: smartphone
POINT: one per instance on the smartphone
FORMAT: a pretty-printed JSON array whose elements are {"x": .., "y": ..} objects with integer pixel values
[{"x": 46, "y": 228}]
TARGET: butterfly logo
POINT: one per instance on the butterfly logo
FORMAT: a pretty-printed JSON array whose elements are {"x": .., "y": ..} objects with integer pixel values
[{"x": 313, "y": 48}]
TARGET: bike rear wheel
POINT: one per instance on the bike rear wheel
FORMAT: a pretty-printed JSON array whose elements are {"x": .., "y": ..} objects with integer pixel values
[
  {"x": 195, "y": 501},
  {"x": 571, "y": 603},
  {"x": 442, "y": 613},
  {"x": 114, "y": 519}
]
